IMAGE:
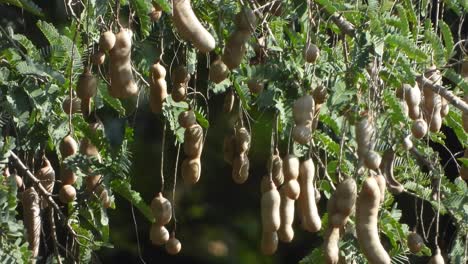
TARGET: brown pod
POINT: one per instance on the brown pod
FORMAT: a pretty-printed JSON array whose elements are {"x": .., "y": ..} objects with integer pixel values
[
  {"x": 67, "y": 194},
  {"x": 269, "y": 243},
  {"x": 292, "y": 189},
  {"x": 286, "y": 232},
  {"x": 437, "y": 258},
  {"x": 98, "y": 58},
  {"x": 173, "y": 246},
  {"x": 415, "y": 242},
  {"x": 364, "y": 131},
  {"x": 246, "y": 20},
  {"x": 46, "y": 175},
  {"x": 311, "y": 53},
  {"x": 68, "y": 146},
  {"x": 445, "y": 109},
  {"x": 290, "y": 167},
  {"x": 193, "y": 141},
  {"x": 235, "y": 49},
  {"x": 255, "y": 86},
  {"x": 187, "y": 119},
  {"x": 407, "y": 143},
  {"x": 67, "y": 176},
  {"x": 32, "y": 219},
  {"x": 120, "y": 68},
  {"x": 158, "y": 85},
  {"x": 218, "y": 71},
  {"x": 341, "y": 203},
  {"x": 158, "y": 235},
  {"x": 382, "y": 186},
  {"x": 270, "y": 209},
  {"x": 191, "y": 169},
  {"x": 189, "y": 27},
  {"x": 75, "y": 105},
  {"x": 179, "y": 92},
  {"x": 229, "y": 100},
  {"x": 162, "y": 209},
  {"x": 320, "y": 94},
  {"x": 180, "y": 74},
  {"x": 276, "y": 165},
  {"x": 107, "y": 41},
  {"x": 242, "y": 140},
  {"x": 240, "y": 168},
  {"x": 419, "y": 128},
  {"x": 310, "y": 216},
  {"x": 302, "y": 133},
  {"x": 372, "y": 160},
  {"x": 330, "y": 245},
  {"x": 87, "y": 85},
  {"x": 303, "y": 109},
  {"x": 386, "y": 167},
  {"x": 156, "y": 12}
]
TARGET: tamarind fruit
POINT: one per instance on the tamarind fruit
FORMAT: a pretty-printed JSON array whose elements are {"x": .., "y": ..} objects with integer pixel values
[
  {"x": 68, "y": 146},
  {"x": 103, "y": 196},
  {"x": 180, "y": 78},
  {"x": 364, "y": 131},
  {"x": 193, "y": 143},
  {"x": 75, "y": 105},
  {"x": 330, "y": 245},
  {"x": 158, "y": 235},
  {"x": 98, "y": 58},
  {"x": 218, "y": 71},
  {"x": 276, "y": 165},
  {"x": 46, "y": 175},
  {"x": 158, "y": 87},
  {"x": 240, "y": 168},
  {"x": 270, "y": 209},
  {"x": 173, "y": 245},
  {"x": 419, "y": 128},
  {"x": 310, "y": 216},
  {"x": 255, "y": 86},
  {"x": 303, "y": 113},
  {"x": 445, "y": 108},
  {"x": 67, "y": 194},
  {"x": 372, "y": 160},
  {"x": 122, "y": 84},
  {"x": 341, "y": 203},
  {"x": 382, "y": 186},
  {"x": 292, "y": 189},
  {"x": 245, "y": 20},
  {"x": 189, "y": 27},
  {"x": 386, "y": 167},
  {"x": 320, "y": 94},
  {"x": 407, "y": 143},
  {"x": 32, "y": 219},
  {"x": 437, "y": 258},
  {"x": 87, "y": 148},
  {"x": 156, "y": 12},
  {"x": 415, "y": 242},
  {"x": 86, "y": 86},
  {"x": 187, "y": 118},
  {"x": 412, "y": 97},
  {"x": 269, "y": 242},
  {"x": 367, "y": 208},
  {"x": 290, "y": 167},
  {"x": 311, "y": 53},
  {"x": 179, "y": 92},
  {"x": 191, "y": 170},
  {"x": 107, "y": 41},
  {"x": 285, "y": 231},
  {"x": 162, "y": 210},
  {"x": 229, "y": 100}
]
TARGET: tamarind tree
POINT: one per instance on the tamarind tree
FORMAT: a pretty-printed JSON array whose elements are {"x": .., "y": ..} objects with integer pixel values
[{"x": 245, "y": 131}]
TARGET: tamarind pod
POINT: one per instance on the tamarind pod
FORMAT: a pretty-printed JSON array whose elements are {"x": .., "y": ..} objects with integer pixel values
[
  {"x": 316, "y": 116},
  {"x": 364, "y": 131},
  {"x": 218, "y": 71},
  {"x": 270, "y": 209},
  {"x": 269, "y": 243},
  {"x": 32, "y": 219},
  {"x": 292, "y": 189},
  {"x": 180, "y": 75},
  {"x": 320, "y": 94},
  {"x": 302, "y": 133},
  {"x": 367, "y": 208},
  {"x": 415, "y": 242},
  {"x": 67, "y": 175},
  {"x": 382, "y": 186},
  {"x": 437, "y": 258},
  {"x": 311, "y": 53},
  {"x": 162, "y": 210},
  {"x": 67, "y": 194},
  {"x": 228, "y": 101},
  {"x": 240, "y": 168},
  {"x": 310, "y": 216},
  {"x": 388, "y": 160},
  {"x": 235, "y": 49},
  {"x": 436, "y": 121},
  {"x": 75, "y": 105},
  {"x": 46, "y": 175},
  {"x": 445, "y": 108},
  {"x": 341, "y": 203},
  {"x": 242, "y": 140},
  {"x": 98, "y": 58},
  {"x": 191, "y": 170},
  {"x": 189, "y": 27},
  {"x": 407, "y": 143},
  {"x": 303, "y": 109},
  {"x": 419, "y": 128},
  {"x": 86, "y": 86},
  {"x": 412, "y": 95},
  {"x": 173, "y": 246},
  {"x": 286, "y": 232},
  {"x": 68, "y": 146},
  {"x": 372, "y": 160},
  {"x": 193, "y": 141},
  {"x": 413, "y": 112},
  {"x": 265, "y": 184},
  {"x": 290, "y": 167},
  {"x": 179, "y": 92},
  {"x": 276, "y": 165},
  {"x": 122, "y": 84},
  {"x": 156, "y": 12},
  {"x": 187, "y": 119},
  {"x": 330, "y": 245},
  {"x": 229, "y": 148},
  {"x": 255, "y": 86},
  {"x": 158, "y": 85},
  {"x": 246, "y": 20},
  {"x": 158, "y": 235},
  {"x": 107, "y": 41}
]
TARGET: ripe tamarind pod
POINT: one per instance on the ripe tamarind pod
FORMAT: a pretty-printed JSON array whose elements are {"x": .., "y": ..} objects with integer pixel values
[
  {"x": 180, "y": 74},
  {"x": 193, "y": 141},
  {"x": 407, "y": 143},
  {"x": 382, "y": 186},
  {"x": 242, "y": 140},
  {"x": 32, "y": 219},
  {"x": 189, "y": 27},
  {"x": 386, "y": 167},
  {"x": 89, "y": 149},
  {"x": 290, "y": 167},
  {"x": 245, "y": 20},
  {"x": 419, "y": 128},
  {"x": 320, "y": 94},
  {"x": 445, "y": 108},
  {"x": 310, "y": 216},
  {"x": 240, "y": 168},
  {"x": 372, "y": 160},
  {"x": 122, "y": 84},
  {"x": 235, "y": 49},
  {"x": 286, "y": 232},
  {"x": 303, "y": 109},
  {"x": 341, "y": 203},
  {"x": 330, "y": 245},
  {"x": 436, "y": 120},
  {"x": 229, "y": 99},
  {"x": 437, "y": 258},
  {"x": 265, "y": 184},
  {"x": 75, "y": 105},
  {"x": 311, "y": 53},
  {"x": 191, "y": 170},
  {"x": 292, "y": 189},
  {"x": 412, "y": 97},
  {"x": 158, "y": 85},
  {"x": 367, "y": 208},
  {"x": 364, "y": 131},
  {"x": 218, "y": 71},
  {"x": 156, "y": 12},
  {"x": 269, "y": 243},
  {"x": 67, "y": 194},
  {"x": 270, "y": 209},
  {"x": 158, "y": 235},
  {"x": 86, "y": 86},
  {"x": 98, "y": 58},
  {"x": 415, "y": 242},
  {"x": 162, "y": 210},
  {"x": 107, "y": 41},
  {"x": 276, "y": 165},
  {"x": 173, "y": 245},
  {"x": 46, "y": 175},
  {"x": 179, "y": 92},
  {"x": 187, "y": 119},
  {"x": 302, "y": 133},
  {"x": 68, "y": 146},
  {"x": 229, "y": 148}
]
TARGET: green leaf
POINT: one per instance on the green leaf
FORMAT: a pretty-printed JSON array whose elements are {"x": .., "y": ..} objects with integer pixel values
[
  {"x": 164, "y": 4},
  {"x": 448, "y": 39},
  {"x": 124, "y": 189},
  {"x": 406, "y": 46},
  {"x": 27, "y": 5},
  {"x": 142, "y": 9}
]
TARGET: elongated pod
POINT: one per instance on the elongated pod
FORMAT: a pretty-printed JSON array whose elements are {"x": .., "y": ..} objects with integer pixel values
[
  {"x": 193, "y": 141},
  {"x": 191, "y": 170},
  {"x": 269, "y": 242},
  {"x": 437, "y": 258},
  {"x": 364, "y": 131},
  {"x": 386, "y": 166},
  {"x": 303, "y": 109},
  {"x": 162, "y": 210},
  {"x": 240, "y": 168},
  {"x": 235, "y": 49},
  {"x": 276, "y": 165},
  {"x": 158, "y": 85},
  {"x": 120, "y": 68},
  {"x": 47, "y": 177},
  {"x": 190, "y": 28},
  {"x": 310, "y": 216},
  {"x": 330, "y": 245},
  {"x": 367, "y": 209},
  {"x": 32, "y": 219},
  {"x": 270, "y": 209},
  {"x": 290, "y": 167},
  {"x": 286, "y": 232},
  {"x": 342, "y": 203}
]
